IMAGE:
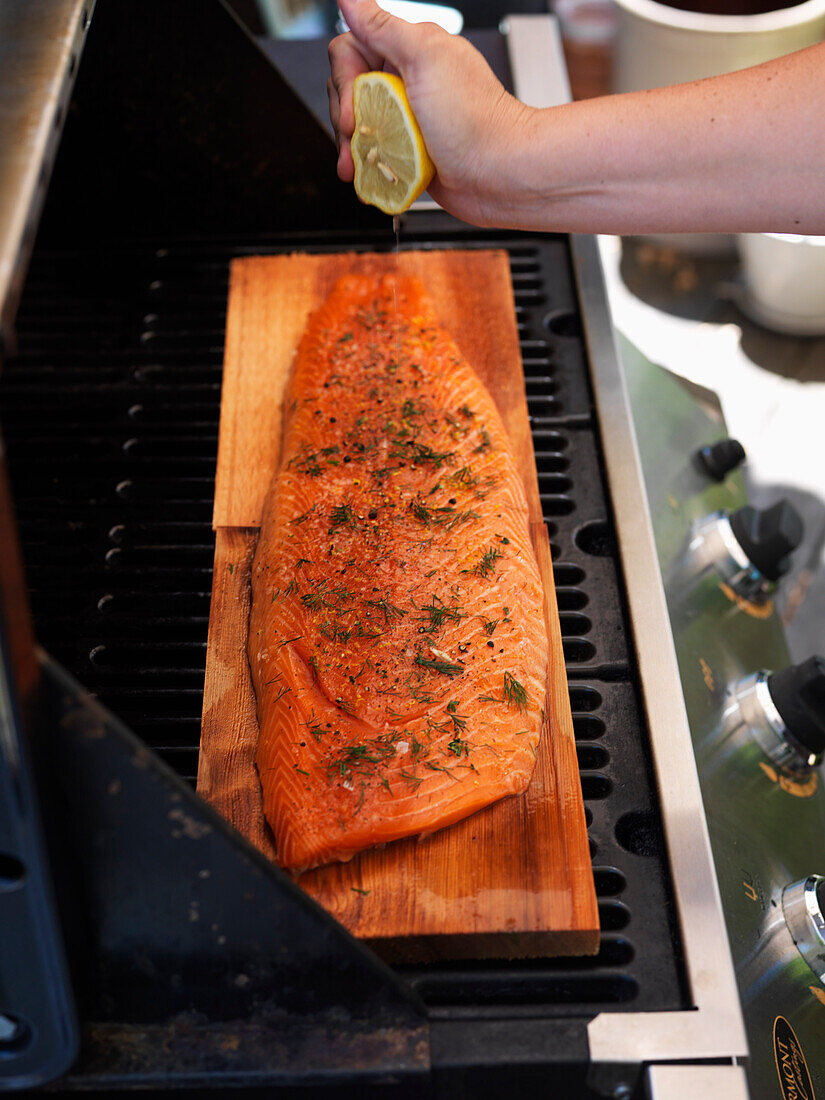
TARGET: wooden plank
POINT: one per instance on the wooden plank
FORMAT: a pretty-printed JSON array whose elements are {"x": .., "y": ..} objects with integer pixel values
[{"x": 514, "y": 879}]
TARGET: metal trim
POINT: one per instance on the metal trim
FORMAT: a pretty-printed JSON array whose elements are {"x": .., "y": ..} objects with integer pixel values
[
  {"x": 688, "y": 1082},
  {"x": 40, "y": 45},
  {"x": 536, "y": 60},
  {"x": 716, "y": 1028}
]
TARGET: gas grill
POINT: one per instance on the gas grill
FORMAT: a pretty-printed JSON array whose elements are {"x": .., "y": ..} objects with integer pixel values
[{"x": 193, "y": 962}]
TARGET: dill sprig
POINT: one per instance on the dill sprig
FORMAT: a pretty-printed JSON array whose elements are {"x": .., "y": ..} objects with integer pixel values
[
  {"x": 486, "y": 565},
  {"x": 458, "y": 747},
  {"x": 446, "y": 668},
  {"x": 459, "y": 721},
  {"x": 390, "y": 610},
  {"x": 419, "y": 452},
  {"x": 341, "y": 516},
  {"x": 360, "y": 759},
  {"x": 438, "y": 613},
  {"x": 464, "y": 478},
  {"x": 514, "y": 694},
  {"x": 490, "y": 626}
]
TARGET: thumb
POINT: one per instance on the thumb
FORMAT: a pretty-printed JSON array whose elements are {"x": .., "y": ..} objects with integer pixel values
[{"x": 381, "y": 32}]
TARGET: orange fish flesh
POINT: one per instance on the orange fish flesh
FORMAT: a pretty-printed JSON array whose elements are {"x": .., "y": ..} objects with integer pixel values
[{"x": 397, "y": 639}]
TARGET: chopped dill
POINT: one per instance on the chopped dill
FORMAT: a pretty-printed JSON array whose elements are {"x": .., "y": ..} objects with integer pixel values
[
  {"x": 458, "y": 747},
  {"x": 465, "y": 410},
  {"x": 414, "y": 780},
  {"x": 301, "y": 770},
  {"x": 291, "y": 587},
  {"x": 360, "y": 801},
  {"x": 302, "y": 561},
  {"x": 231, "y": 568},
  {"x": 490, "y": 626},
  {"x": 358, "y": 890},
  {"x": 305, "y": 516},
  {"x": 485, "y": 444}
]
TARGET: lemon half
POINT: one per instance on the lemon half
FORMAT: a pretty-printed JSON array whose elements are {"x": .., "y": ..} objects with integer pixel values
[{"x": 392, "y": 166}]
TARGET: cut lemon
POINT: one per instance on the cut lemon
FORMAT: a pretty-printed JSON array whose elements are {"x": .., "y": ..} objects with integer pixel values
[{"x": 392, "y": 166}]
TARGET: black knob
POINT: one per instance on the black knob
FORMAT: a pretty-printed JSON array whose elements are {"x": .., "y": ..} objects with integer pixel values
[
  {"x": 768, "y": 536},
  {"x": 718, "y": 459},
  {"x": 798, "y": 693}
]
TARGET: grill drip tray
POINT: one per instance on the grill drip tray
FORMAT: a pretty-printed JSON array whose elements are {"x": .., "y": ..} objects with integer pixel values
[{"x": 110, "y": 415}]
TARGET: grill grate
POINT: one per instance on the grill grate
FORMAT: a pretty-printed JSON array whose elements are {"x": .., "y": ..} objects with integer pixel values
[{"x": 110, "y": 413}]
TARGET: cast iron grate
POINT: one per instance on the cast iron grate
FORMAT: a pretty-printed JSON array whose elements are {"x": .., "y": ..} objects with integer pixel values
[{"x": 110, "y": 414}]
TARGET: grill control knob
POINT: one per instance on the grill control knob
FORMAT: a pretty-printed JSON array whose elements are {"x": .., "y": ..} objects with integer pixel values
[
  {"x": 798, "y": 693},
  {"x": 768, "y": 535},
  {"x": 748, "y": 550},
  {"x": 785, "y": 714},
  {"x": 803, "y": 905},
  {"x": 718, "y": 459}
]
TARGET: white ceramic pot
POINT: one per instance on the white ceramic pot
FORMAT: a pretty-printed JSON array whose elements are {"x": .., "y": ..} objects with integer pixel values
[
  {"x": 657, "y": 45},
  {"x": 784, "y": 281}
]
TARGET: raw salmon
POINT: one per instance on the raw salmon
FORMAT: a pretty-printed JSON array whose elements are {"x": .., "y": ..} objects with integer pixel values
[{"x": 397, "y": 639}]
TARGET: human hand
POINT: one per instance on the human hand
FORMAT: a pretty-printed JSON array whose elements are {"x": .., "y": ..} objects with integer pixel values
[{"x": 469, "y": 122}]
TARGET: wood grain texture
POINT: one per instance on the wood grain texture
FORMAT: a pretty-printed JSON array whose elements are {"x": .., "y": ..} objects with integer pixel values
[{"x": 514, "y": 879}]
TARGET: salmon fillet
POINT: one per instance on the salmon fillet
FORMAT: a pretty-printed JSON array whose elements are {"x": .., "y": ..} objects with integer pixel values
[{"x": 397, "y": 639}]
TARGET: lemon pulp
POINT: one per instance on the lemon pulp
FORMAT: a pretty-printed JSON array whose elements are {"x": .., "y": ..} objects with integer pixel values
[{"x": 392, "y": 166}]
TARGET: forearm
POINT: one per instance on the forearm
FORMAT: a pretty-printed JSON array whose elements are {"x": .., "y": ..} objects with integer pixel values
[{"x": 737, "y": 153}]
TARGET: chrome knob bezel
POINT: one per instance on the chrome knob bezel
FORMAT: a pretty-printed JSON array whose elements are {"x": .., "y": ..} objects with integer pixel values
[
  {"x": 806, "y": 921},
  {"x": 714, "y": 545}
]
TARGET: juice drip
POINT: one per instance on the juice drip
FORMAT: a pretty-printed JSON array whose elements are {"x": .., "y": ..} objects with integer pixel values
[{"x": 396, "y": 226}]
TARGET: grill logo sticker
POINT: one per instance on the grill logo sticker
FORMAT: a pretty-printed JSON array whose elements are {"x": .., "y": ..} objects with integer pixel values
[{"x": 794, "y": 1079}]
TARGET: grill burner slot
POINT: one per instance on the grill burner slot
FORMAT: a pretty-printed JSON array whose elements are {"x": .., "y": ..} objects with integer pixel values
[{"x": 110, "y": 413}]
